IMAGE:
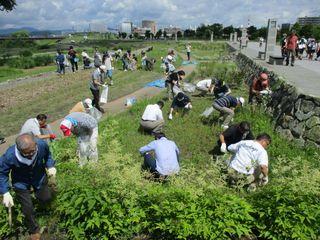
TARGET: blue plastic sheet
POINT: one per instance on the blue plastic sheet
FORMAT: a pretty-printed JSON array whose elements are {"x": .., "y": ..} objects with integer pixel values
[
  {"x": 189, "y": 63},
  {"x": 160, "y": 83}
]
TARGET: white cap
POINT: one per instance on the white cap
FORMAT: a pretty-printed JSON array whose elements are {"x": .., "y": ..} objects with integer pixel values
[
  {"x": 103, "y": 68},
  {"x": 241, "y": 100},
  {"x": 88, "y": 101},
  {"x": 67, "y": 123},
  {"x": 169, "y": 57}
]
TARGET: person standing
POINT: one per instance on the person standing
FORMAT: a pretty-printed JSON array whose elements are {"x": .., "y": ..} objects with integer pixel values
[
  {"x": 166, "y": 156},
  {"x": 97, "y": 59},
  {"x": 85, "y": 128},
  {"x": 60, "y": 62},
  {"x": 107, "y": 61},
  {"x": 291, "y": 45},
  {"x": 38, "y": 127},
  {"x": 97, "y": 80},
  {"x": 249, "y": 164},
  {"x": 30, "y": 165},
  {"x": 73, "y": 59},
  {"x": 188, "y": 47},
  {"x": 152, "y": 118},
  {"x": 283, "y": 45}
]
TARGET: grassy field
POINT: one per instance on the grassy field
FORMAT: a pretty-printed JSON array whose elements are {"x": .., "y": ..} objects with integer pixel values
[
  {"x": 57, "y": 94},
  {"x": 115, "y": 200}
]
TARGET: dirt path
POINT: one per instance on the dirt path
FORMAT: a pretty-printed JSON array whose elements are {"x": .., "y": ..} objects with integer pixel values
[{"x": 111, "y": 108}]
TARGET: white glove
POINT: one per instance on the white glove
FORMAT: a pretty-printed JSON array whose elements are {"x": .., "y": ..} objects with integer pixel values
[
  {"x": 265, "y": 180},
  {"x": 7, "y": 200},
  {"x": 223, "y": 148},
  {"x": 170, "y": 116},
  {"x": 52, "y": 172}
]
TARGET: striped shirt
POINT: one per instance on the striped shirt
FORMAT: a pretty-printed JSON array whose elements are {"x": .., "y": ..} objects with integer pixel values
[{"x": 227, "y": 101}]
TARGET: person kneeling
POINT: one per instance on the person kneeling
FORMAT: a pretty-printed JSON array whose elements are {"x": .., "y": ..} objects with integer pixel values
[
  {"x": 152, "y": 118},
  {"x": 165, "y": 161},
  {"x": 248, "y": 166},
  {"x": 181, "y": 101}
]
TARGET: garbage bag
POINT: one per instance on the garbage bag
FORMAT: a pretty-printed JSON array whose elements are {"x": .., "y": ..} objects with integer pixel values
[
  {"x": 104, "y": 94},
  {"x": 189, "y": 87},
  {"x": 130, "y": 101},
  {"x": 207, "y": 112},
  {"x": 95, "y": 113}
]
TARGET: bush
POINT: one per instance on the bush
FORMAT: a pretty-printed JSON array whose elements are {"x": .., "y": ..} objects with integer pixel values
[
  {"x": 22, "y": 62},
  {"x": 25, "y": 53},
  {"x": 43, "y": 60}
]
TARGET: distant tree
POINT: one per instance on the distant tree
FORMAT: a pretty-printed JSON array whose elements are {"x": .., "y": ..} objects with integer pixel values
[
  {"x": 228, "y": 30},
  {"x": 158, "y": 34},
  {"x": 189, "y": 33},
  {"x": 179, "y": 34},
  {"x": 136, "y": 35},
  {"x": 297, "y": 27},
  {"x": 216, "y": 28},
  {"x": 20, "y": 34},
  {"x": 123, "y": 35},
  {"x": 7, "y": 5},
  {"x": 306, "y": 30},
  {"x": 148, "y": 34},
  {"x": 252, "y": 32},
  {"x": 316, "y": 32},
  {"x": 165, "y": 34}
]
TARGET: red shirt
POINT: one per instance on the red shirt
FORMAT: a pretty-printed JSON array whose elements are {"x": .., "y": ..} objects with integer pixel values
[
  {"x": 259, "y": 85},
  {"x": 292, "y": 42}
]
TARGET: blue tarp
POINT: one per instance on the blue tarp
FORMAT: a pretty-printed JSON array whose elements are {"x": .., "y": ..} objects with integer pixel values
[
  {"x": 160, "y": 83},
  {"x": 189, "y": 63}
]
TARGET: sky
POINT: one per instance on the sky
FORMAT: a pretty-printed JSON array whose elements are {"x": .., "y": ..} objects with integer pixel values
[{"x": 66, "y": 14}]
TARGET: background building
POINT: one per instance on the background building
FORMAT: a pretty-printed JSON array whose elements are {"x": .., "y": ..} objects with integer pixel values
[
  {"x": 309, "y": 20},
  {"x": 126, "y": 27},
  {"x": 172, "y": 31},
  {"x": 286, "y": 26},
  {"x": 150, "y": 25}
]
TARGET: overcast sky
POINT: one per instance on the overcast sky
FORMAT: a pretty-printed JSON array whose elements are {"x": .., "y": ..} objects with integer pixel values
[{"x": 64, "y": 14}]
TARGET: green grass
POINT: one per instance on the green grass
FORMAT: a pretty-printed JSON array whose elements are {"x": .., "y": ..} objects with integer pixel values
[{"x": 7, "y": 73}]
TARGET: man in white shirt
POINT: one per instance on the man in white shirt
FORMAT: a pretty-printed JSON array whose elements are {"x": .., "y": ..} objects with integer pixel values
[
  {"x": 205, "y": 86},
  {"x": 165, "y": 161},
  {"x": 249, "y": 164},
  {"x": 152, "y": 118},
  {"x": 38, "y": 127}
]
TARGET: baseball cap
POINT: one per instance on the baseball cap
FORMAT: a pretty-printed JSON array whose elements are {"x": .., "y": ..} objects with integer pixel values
[
  {"x": 65, "y": 127},
  {"x": 88, "y": 101},
  {"x": 169, "y": 57},
  {"x": 241, "y": 100}
]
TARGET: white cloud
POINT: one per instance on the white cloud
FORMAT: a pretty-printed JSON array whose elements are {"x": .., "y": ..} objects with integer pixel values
[{"x": 62, "y": 14}]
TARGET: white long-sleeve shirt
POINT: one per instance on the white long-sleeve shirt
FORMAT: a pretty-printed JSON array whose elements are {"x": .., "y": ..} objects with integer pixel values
[
  {"x": 152, "y": 113},
  {"x": 248, "y": 154}
]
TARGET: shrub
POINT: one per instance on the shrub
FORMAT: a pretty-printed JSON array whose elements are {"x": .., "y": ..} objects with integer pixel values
[
  {"x": 22, "y": 62},
  {"x": 43, "y": 60},
  {"x": 25, "y": 53}
]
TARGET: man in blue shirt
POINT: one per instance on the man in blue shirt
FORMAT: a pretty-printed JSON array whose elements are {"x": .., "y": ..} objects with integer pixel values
[
  {"x": 166, "y": 156},
  {"x": 29, "y": 163}
]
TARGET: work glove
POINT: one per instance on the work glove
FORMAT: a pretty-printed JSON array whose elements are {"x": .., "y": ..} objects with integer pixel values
[
  {"x": 7, "y": 200},
  {"x": 264, "y": 181},
  {"x": 52, "y": 172},
  {"x": 223, "y": 148},
  {"x": 53, "y": 136}
]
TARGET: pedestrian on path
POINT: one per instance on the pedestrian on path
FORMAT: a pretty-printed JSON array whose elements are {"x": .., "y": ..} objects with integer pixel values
[
  {"x": 85, "y": 128},
  {"x": 181, "y": 101},
  {"x": 60, "y": 59},
  {"x": 30, "y": 166},
  {"x": 291, "y": 45},
  {"x": 311, "y": 46},
  {"x": 165, "y": 161},
  {"x": 152, "y": 118},
  {"x": 248, "y": 166},
  {"x": 97, "y": 80},
  {"x": 38, "y": 127},
  {"x": 188, "y": 47},
  {"x": 73, "y": 59}
]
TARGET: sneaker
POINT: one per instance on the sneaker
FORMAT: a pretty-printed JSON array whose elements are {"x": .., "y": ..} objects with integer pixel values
[
  {"x": 170, "y": 116},
  {"x": 2, "y": 140},
  {"x": 292, "y": 65}
]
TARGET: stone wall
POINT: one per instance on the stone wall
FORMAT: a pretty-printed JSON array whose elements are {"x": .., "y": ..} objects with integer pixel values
[{"x": 296, "y": 116}]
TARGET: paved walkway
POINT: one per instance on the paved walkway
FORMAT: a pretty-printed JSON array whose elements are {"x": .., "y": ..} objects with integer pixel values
[{"x": 305, "y": 75}]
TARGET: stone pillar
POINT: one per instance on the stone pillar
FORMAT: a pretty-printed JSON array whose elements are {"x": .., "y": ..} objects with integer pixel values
[
  {"x": 176, "y": 36},
  {"x": 244, "y": 37},
  {"x": 235, "y": 37},
  {"x": 271, "y": 38},
  {"x": 231, "y": 37},
  {"x": 211, "y": 36}
]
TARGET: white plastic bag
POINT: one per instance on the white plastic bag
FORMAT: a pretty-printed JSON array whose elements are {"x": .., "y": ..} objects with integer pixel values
[
  {"x": 104, "y": 94},
  {"x": 207, "y": 112},
  {"x": 95, "y": 113},
  {"x": 189, "y": 87},
  {"x": 130, "y": 101}
]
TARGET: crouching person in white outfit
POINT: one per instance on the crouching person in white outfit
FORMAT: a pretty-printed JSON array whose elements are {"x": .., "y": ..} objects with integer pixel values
[
  {"x": 248, "y": 166},
  {"x": 85, "y": 127}
]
